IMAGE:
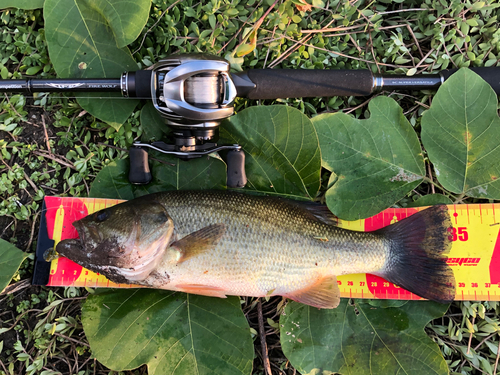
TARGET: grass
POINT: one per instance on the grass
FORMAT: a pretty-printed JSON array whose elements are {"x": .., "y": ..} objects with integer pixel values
[{"x": 50, "y": 146}]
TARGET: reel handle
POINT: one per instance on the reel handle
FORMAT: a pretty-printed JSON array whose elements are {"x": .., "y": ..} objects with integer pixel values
[
  {"x": 236, "y": 176},
  {"x": 139, "y": 173}
]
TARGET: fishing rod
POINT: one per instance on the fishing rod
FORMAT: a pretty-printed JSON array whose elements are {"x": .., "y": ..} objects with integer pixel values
[{"x": 193, "y": 93}]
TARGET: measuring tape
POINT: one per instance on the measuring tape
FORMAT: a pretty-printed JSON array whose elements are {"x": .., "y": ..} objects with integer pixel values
[{"x": 474, "y": 256}]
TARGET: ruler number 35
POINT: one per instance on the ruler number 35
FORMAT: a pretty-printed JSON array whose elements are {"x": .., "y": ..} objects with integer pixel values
[{"x": 459, "y": 233}]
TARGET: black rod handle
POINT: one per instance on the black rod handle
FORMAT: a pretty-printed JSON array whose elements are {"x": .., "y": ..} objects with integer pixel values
[
  {"x": 303, "y": 83},
  {"x": 139, "y": 84},
  {"x": 489, "y": 74}
]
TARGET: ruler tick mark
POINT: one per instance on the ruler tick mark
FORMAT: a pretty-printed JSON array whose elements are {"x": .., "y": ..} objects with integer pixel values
[{"x": 493, "y": 208}]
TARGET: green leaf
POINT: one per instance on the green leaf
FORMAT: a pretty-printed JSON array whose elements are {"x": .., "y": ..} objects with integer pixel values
[
  {"x": 10, "y": 261},
  {"x": 21, "y": 4},
  {"x": 244, "y": 49},
  {"x": 362, "y": 339},
  {"x": 126, "y": 18},
  {"x": 173, "y": 333},
  {"x": 82, "y": 44},
  {"x": 112, "y": 182},
  {"x": 169, "y": 174},
  {"x": 461, "y": 133},
  {"x": 281, "y": 147},
  {"x": 33, "y": 70},
  {"x": 109, "y": 107},
  {"x": 376, "y": 161},
  {"x": 430, "y": 200},
  {"x": 152, "y": 123},
  {"x": 411, "y": 72}
]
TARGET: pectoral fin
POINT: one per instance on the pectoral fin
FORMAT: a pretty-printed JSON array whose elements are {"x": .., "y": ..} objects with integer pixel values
[
  {"x": 324, "y": 293},
  {"x": 199, "y": 241},
  {"x": 203, "y": 290}
]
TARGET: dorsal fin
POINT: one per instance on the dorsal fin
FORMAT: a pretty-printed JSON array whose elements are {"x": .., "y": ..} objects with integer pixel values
[
  {"x": 317, "y": 211},
  {"x": 197, "y": 242}
]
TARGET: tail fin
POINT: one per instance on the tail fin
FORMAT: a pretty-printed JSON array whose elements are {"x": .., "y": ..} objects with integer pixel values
[{"x": 417, "y": 246}]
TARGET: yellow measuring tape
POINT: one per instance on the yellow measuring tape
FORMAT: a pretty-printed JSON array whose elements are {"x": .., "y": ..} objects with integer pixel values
[{"x": 474, "y": 257}]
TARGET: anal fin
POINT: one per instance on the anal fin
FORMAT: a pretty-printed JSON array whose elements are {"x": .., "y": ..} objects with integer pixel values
[
  {"x": 323, "y": 294},
  {"x": 204, "y": 290}
]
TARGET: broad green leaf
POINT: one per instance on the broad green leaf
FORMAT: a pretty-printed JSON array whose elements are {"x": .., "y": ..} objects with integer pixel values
[
  {"x": 430, "y": 200},
  {"x": 461, "y": 133},
  {"x": 281, "y": 147},
  {"x": 82, "y": 45},
  {"x": 173, "y": 174},
  {"x": 362, "y": 339},
  {"x": 112, "y": 182},
  {"x": 376, "y": 161},
  {"x": 125, "y": 18},
  {"x": 173, "y": 333},
  {"x": 108, "y": 107},
  {"x": 21, "y": 4},
  {"x": 153, "y": 125},
  {"x": 10, "y": 261}
]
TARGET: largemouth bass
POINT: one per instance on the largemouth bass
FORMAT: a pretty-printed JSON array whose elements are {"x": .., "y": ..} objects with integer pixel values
[{"x": 220, "y": 243}]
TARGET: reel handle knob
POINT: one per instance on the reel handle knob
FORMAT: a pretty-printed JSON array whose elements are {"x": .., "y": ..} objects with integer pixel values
[
  {"x": 236, "y": 176},
  {"x": 139, "y": 173}
]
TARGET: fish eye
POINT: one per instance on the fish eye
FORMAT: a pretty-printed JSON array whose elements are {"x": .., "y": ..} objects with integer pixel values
[{"x": 101, "y": 215}]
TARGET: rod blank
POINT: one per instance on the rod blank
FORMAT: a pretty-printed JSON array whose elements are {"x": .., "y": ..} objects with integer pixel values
[{"x": 60, "y": 85}]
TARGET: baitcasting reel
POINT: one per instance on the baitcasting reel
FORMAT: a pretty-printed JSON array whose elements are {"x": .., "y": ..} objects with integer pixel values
[{"x": 193, "y": 93}]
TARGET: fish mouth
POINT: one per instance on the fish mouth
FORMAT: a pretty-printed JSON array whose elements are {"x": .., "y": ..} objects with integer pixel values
[{"x": 71, "y": 248}]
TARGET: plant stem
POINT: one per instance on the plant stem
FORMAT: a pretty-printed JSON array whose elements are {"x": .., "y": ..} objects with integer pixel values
[{"x": 263, "y": 343}]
